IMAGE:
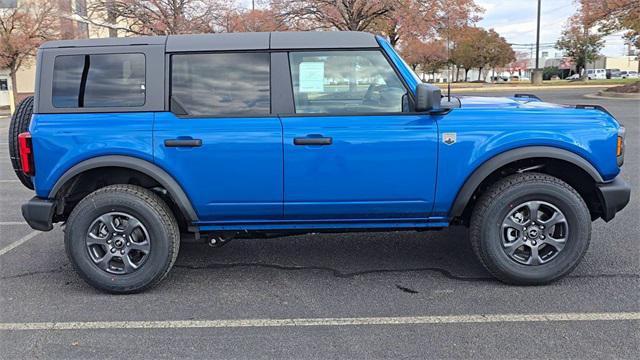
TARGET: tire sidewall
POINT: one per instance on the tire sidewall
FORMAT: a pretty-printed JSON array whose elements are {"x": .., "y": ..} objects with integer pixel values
[
  {"x": 578, "y": 221},
  {"x": 20, "y": 122},
  {"x": 83, "y": 216}
]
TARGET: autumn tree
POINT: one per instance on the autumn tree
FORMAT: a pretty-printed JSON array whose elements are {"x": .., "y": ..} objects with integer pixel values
[
  {"x": 255, "y": 20},
  {"x": 466, "y": 48},
  {"x": 354, "y": 15},
  {"x": 614, "y": 15},
  {"x": 22, "y": 30},
  {"x": 427, "y": 18},
  {"x": 159, "y": 17},
  {"x": 430, "y": 56},
  {"x": 397, "y": 19},
  {"x": 579, "y": 43},
  {"x": 479, "y": 48},
  {"x": 497, "y": 51}
]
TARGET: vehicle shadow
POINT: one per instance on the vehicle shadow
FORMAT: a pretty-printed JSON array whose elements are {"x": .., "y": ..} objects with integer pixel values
[{"x": 447, "y": 253}]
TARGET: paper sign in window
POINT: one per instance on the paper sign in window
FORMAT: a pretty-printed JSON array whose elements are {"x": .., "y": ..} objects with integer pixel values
[{"x": 311, "y": 77}]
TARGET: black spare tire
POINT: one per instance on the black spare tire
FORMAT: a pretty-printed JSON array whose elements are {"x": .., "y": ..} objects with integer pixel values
[{"x": 20, "y": 123}]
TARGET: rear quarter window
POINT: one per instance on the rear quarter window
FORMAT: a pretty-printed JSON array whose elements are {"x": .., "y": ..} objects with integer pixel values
[{"x": 99, "y": 80}]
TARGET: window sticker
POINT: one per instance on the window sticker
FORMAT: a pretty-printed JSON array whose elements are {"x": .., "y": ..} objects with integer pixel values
[{"x": 311, "y": 78}]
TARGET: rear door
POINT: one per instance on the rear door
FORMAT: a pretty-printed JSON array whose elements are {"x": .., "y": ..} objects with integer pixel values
[
  {"x": 352, "y": 151},
  {"x": 220, "y": 140}
]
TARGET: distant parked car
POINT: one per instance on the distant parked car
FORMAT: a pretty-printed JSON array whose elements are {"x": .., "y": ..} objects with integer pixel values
[
  {"x": 613, "y": 73},
  {"x": 625, "y": 74},
  {"x": 498, "y": 79},
  {"x": 599, "y": 74}
]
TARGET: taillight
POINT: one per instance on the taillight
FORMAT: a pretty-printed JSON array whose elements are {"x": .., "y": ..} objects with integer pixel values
[{"x": 26, "y": 153}]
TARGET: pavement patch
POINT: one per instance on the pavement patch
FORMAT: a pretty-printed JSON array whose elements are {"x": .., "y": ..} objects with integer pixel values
[{"x": 253, "y": 323}]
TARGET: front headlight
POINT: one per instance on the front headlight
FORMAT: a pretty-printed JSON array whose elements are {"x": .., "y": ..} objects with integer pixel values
[{"x": 620, "y": 146}]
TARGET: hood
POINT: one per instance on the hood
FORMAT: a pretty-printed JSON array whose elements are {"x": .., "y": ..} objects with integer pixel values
[{"x": 517, "y": 101}]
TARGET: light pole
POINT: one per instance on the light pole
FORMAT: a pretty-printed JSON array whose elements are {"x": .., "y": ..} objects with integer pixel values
[{"x": 537, "y": 73}]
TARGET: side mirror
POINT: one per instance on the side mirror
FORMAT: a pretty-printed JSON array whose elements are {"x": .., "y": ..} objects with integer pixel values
[{"x": 427, "y": 97}]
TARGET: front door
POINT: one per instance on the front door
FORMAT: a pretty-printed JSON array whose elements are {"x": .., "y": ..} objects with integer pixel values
[
  {"x": 220, "y": 141},
  {"x": 351, "y": 150}
]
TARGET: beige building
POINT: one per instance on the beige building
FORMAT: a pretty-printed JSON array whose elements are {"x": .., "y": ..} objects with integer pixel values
[
  {"x": 615, "y": 62},
  {"x": 622, "y": 63}
]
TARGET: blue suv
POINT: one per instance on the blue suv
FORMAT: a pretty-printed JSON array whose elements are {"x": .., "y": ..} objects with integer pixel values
[{"x": 135, "y": 143}]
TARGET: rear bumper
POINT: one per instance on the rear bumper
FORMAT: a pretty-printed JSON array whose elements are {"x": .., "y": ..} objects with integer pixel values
[
  {"x": 39, "y": 213},
  {"x": 614, "y": 196}
]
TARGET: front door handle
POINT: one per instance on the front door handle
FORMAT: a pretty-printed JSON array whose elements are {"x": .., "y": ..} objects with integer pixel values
[
  {"x": 183, "y": 143},
  {"x": 313, "y": 140}
]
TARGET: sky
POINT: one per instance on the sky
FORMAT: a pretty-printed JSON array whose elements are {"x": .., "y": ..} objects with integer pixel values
[{"x": 515, "y": 20}]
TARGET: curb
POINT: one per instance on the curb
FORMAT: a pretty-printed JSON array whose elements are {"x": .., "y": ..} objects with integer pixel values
[{"x": 622, "y": 96}]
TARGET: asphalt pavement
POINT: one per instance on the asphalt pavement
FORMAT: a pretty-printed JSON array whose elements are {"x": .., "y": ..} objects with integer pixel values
[{"x": 344, "y": 296}]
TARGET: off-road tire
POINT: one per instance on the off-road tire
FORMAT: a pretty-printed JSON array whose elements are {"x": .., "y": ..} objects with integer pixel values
[
  {"x": 151, "y": 211},
  {"x": 495, "y": 204},
  {"x": 20, "y": 123}
]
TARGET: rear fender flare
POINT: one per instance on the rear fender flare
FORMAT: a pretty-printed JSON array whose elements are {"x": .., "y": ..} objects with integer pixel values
[{"x": 143, "y": 166}]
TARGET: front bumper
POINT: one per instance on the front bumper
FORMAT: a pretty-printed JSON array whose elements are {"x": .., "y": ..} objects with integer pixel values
[
  {"x": 39, "y": 213},
  {"x": 614, "y": 196}
]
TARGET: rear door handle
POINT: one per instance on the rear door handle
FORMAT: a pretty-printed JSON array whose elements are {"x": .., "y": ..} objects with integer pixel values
[
  {"x": 183, "y": 143},
  {"x": 313, "y": 140}
]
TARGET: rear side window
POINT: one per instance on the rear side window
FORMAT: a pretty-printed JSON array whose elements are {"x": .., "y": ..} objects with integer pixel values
[
  {"x": 100, "y": 80},
  {"x": 221, "y": 84}
]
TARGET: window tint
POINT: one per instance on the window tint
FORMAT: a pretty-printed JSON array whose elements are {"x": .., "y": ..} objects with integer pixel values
[
  {"x": 102, "y": 80},
  {"x": 67, "y": 75},
  {"x": 221, "y": 84},
  {"x": 345, "y": 82}
]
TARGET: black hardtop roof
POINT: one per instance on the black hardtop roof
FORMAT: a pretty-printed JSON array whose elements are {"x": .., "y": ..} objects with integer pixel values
[{"x": 234, "y": 41}]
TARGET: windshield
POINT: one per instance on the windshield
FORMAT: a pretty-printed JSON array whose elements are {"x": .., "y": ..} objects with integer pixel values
[
  {"x": 410, "y": 69},
  {"x": 405, "y": 70}
]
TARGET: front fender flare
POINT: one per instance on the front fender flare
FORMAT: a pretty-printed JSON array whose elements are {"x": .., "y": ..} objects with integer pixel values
[
  {"x": 143, "y": 166},
  {"x": 502, "y": 159}
]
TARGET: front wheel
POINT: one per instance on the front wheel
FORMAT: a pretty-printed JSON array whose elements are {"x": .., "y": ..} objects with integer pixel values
[
  {"x": 530, "y": 229},
  {"x": 122, "y": 239}
]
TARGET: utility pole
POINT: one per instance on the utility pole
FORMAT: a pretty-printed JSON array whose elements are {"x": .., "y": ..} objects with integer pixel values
[
  {"x": 538, "y": 38},
  {"x": 537, "y": 73}
]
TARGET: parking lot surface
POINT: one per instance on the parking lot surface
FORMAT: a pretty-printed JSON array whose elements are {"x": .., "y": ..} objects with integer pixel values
[{"x": 381, "y": 295}]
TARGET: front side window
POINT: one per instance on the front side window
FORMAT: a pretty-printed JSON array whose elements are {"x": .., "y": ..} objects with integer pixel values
[
  {"x": 345, "y": 82},
  {"x": 221, "y": 84},
  {"x": 99, "y": 80}
]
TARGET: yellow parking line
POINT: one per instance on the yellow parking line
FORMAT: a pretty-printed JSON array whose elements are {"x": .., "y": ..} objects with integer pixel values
[{"x": 409, "y": 320}]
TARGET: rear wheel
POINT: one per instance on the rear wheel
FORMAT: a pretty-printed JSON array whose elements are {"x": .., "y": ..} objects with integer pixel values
[
  {"x": 122, "y": 239},
  {"x": 530, "y": 229},
  {"x": 20, "y": 123}
]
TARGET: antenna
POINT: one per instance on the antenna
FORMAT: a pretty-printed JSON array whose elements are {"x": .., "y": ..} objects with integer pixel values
[{"x": 449, "y": 60}]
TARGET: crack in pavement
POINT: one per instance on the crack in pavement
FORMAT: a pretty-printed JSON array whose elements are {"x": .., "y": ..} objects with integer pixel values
[{"x": 335, "y": 272}]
